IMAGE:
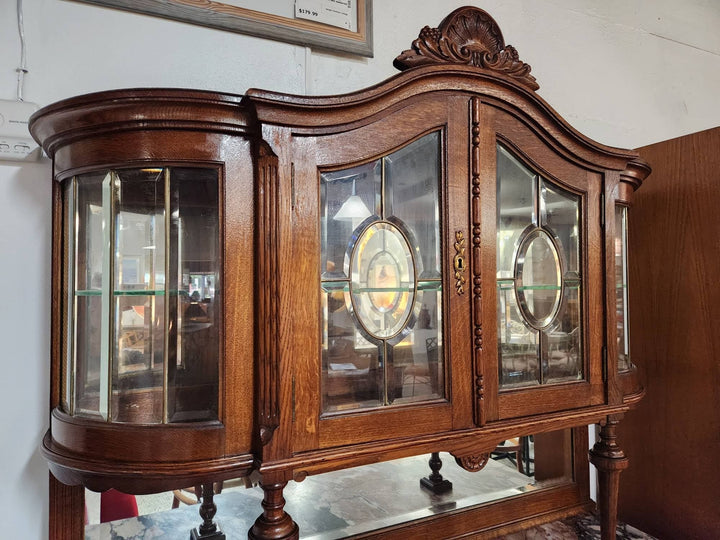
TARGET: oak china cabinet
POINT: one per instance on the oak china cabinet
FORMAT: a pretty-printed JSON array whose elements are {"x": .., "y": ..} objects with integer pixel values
[{"x": 249, "y": 282}]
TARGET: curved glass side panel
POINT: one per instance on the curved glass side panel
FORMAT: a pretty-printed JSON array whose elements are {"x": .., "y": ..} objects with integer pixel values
[
  {"x": 382, "y": 298},
  {"x": 141, "y": 317},
  {"x": 539, "y": 283},
  {"x": 621, "y": 289},
  {"x": 87, "y": 331}
]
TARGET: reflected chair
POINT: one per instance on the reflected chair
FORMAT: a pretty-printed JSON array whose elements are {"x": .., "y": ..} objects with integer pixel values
[
  {"x": 512, "y": 449},
  {"x": 192, "y": 495},
  {"x": 116, "y": 505}
]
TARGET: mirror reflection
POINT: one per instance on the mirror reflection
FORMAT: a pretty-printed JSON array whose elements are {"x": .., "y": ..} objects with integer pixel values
[
  {"x": 621, "y": 288},
  {"x": 361, "y": 499}
]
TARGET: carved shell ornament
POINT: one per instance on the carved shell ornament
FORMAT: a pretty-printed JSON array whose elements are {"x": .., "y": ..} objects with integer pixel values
[
  {"x": 473, "y": 463},
  {"x": 467, "y": 36}
]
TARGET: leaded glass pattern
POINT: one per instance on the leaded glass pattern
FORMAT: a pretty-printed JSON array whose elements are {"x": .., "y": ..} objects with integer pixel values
[
  {"x": 539, "y": 283},
  {"x": 381, "y": 293}
]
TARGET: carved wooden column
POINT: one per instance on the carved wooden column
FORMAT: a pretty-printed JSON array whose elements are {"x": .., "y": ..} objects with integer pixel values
[
  {"x": 435, "y": 482},
  {"x": 274, "y": 523},
  {"x": 208, "y": 530},
  {"x": 610, "y": 461}
]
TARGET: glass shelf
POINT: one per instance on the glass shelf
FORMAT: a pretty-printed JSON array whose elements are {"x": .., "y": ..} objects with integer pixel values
[{"x": 138, "y": 292}]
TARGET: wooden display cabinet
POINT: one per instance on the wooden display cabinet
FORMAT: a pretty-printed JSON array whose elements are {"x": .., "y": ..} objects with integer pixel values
[{"x": 429, "y": 264}]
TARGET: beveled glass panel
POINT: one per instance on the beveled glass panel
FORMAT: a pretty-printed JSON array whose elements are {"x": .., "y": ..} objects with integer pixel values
[
  {"x": 90, "y": 370},
  {"x": 68, "y": 294},
  {"x": 516, "y": 208},
  {"x": 518, "y": 343},
  {"x": 380, "y": 238},
  {"x": 194, "y": 287},
  {"x": 139, "y": 312},
  {"x": 352, "y": 366},
  {"x": 383, "y": 280},
  {"x": 563, "y": 355},
  {"x": 539, "y": 279},
  {"x": 416, "y": 361},
  {"x": 621, "y": 288},
  {"x": 412, "y": 183},
  {"x": 560, "y": 212},
  {"x": 348, "y": 198}
]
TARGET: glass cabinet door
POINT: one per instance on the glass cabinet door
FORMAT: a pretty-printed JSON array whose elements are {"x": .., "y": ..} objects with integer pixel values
[
  {"x": 142, "y": 313},
  {"x": 381, "y": 284},
  {"x": 539, "y": 281}
]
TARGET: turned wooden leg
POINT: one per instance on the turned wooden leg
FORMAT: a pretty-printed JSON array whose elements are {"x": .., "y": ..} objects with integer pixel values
[
  {"x": 274, "y": 523},
  {"x": 610, "y": 461},
  {"x": 208, "y": 530},
  {"x": 435, "y": 482}
]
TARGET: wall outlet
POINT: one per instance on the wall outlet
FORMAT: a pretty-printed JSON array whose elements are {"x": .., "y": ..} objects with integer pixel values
[{"x": 15, "y": 140}]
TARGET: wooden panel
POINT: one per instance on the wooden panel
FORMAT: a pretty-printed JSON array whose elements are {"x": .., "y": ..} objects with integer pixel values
[{"x": 671, "y": 487}]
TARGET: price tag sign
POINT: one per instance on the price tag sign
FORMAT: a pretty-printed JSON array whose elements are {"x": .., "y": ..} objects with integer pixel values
[{"x": 340, "y": 13}]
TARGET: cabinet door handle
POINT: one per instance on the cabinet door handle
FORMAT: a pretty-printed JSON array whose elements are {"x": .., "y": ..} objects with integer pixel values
[{"x": 459, "y": 263}]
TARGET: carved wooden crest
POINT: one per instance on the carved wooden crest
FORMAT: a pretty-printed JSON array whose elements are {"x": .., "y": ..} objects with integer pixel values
[{"x": 467, "y": 36}]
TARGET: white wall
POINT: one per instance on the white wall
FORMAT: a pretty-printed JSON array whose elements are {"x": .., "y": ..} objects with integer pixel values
[{"x": 626, "y": 73}]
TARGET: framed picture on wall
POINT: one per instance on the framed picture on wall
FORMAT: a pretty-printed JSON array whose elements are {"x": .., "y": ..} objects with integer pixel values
[{"x": 331, "y": 25}]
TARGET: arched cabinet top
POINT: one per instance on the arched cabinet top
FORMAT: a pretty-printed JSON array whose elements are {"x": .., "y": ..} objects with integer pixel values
[
  {"x": 116, "y": 111},
  {"x": 466, "y": 55}
]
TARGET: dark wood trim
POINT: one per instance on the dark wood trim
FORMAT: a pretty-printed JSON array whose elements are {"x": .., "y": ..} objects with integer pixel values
[
  {"x": 67, "y": 511},
  {"x": 139, "y": 477}
]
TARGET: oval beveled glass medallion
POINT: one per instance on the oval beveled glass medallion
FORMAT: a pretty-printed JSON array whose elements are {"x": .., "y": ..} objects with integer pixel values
[
  {"x": 382, "y": 283},
  {"x": 538, "y": 279}
]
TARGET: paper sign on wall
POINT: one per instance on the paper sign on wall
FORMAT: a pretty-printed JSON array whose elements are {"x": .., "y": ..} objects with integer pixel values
[{"x": 338, "y": 13}]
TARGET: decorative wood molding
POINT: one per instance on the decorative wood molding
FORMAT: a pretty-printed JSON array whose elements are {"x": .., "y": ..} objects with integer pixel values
[
  {"x": 480, "y": 400},
  {"x": 459, "y": 262},
  {"x": 637, "y": 170},
  {"x": 268, "y": 378},
  {"x": 473, "y": 463},
  {"x": 467, "y": 36},
  {"x": 476, "y": 217}
]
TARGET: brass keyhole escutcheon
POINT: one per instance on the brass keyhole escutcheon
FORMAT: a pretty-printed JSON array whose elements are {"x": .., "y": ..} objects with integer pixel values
[{"x": 459, "y": 262}]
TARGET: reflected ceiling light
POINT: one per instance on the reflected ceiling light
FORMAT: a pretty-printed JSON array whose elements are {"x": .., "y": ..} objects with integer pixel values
[{"x": 353, "y": 208}]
